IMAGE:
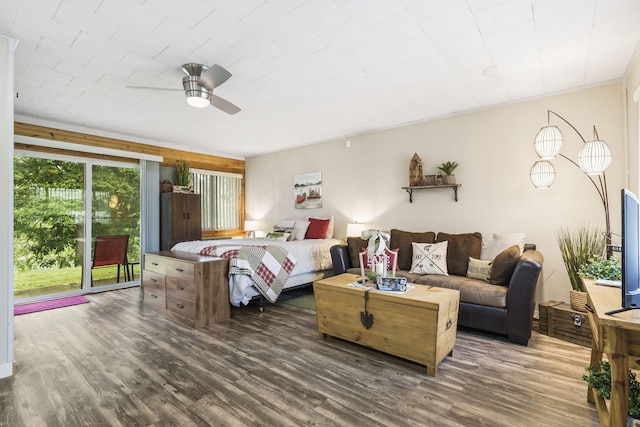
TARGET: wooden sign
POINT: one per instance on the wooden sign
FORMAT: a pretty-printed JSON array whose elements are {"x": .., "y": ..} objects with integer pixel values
[{"x": 415, "y": 171}]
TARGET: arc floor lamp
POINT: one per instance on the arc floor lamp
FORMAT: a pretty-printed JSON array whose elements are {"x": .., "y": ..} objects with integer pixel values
[{"x": 593, "y": 159}]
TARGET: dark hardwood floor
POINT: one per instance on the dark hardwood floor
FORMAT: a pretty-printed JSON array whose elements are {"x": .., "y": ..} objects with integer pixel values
[{"x": 114, "y": 362}]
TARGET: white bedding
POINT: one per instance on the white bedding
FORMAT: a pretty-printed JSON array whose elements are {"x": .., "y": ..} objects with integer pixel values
[{"x": 312, "y": 256}]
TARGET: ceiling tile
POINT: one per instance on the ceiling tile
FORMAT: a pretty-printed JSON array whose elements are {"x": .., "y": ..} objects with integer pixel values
[
  {"x": 269, "y": 23},
  {"x": 319, "y": 16},
  {"x": 371, "y": 12},
  {"x": 449, "y": 23},
  {"x": 84, "y": 20},
  {"x": 396, "y": 29}
]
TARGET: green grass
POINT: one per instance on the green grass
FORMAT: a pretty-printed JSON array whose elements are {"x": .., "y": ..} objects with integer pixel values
[{"x": 35, "y": 281}]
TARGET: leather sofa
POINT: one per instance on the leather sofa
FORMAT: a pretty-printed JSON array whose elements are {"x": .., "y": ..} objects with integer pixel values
[{"x": 505, "y": 308}]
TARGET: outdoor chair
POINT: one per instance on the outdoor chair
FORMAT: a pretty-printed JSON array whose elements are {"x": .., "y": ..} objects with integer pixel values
[{"x": 111, "y": 250}]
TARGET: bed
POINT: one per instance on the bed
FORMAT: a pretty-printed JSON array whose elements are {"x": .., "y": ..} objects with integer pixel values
[{"x": 312, "y": 256}]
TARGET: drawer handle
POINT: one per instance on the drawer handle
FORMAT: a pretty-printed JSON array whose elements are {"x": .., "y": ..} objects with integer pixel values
[
  {"x": 153, "y": 280},
  {"x": 181, "y": 288},
  {"x": 154, "y": 263},
  {"x": 154, "y": 296},
  {"x": 179, "y": 270},
  {"x": 179, "y": 305}
]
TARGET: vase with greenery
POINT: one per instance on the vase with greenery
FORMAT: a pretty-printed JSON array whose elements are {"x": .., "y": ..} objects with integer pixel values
[
  {"x": 577, "y": 246},
  {"x": 600, "y": 381},
  {"x": 182, "y": 175},
  {"x": 448, "y": 168}
]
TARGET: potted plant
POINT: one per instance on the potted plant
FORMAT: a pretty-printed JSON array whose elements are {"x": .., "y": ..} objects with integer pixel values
[
  {"x": 598, "y": 267},
  {"x": 577, "y": 246},
  {"x": 182, "y": 177},
  {"x": 448, "y": 168},
  {"x": 600, "y": 381}
]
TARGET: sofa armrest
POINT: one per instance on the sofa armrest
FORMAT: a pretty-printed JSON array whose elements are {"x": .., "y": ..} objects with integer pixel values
[
  {"x": 340, "y": 259},
  {"x": 522, "y": 294}
]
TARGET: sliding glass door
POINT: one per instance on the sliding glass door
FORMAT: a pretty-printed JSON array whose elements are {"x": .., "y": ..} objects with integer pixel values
[{"x": 56, "y": 249}]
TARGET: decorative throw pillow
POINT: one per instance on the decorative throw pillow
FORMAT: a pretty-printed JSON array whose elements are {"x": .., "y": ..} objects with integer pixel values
[
  {"x": 429, "y": 258},
  {"x": 403, "y": 239},
  {"x": 503, "y": 266},
  {"x": 479, "y": 269},
  {"x": 329, "y": 233},
  {"x": 354, "y": 245},
  {"x": 289, "y": 230},
  {"x": 461, "y": 247},
  {"x": 278, "y": 237},
  {"x": 317, "y": 228},
  {"x": 494, "y": 243},
  {"x": 392, "y": 259},
  {"x": 300, "y": 228}
]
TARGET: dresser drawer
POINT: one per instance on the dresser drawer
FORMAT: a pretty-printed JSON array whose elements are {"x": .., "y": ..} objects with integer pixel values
[
  {"x": 181, "y": 306},
  {"x": 179, "y": 269},
  {"x": 181, "y": 288},
  {"x": 153, "y": 288},
  {"x": 154, "y": 263}
]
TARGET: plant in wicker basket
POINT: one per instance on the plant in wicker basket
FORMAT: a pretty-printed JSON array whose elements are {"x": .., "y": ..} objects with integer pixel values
[{"x": 577, "y": 247}]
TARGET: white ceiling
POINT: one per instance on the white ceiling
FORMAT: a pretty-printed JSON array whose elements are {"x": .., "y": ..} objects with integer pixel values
[{"x": 303, "y": 70}]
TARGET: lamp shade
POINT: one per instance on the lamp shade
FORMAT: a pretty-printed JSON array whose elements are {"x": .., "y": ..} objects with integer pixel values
[
  {"x": 548, "y": 142},
  {"x": 594, "y": 157},
  {"x": 354, "y": 229},
  {"x": 542, "y": 174},
  {"x": 250, "y": 225}
]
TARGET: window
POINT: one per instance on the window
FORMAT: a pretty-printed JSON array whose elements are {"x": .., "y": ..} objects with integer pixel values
[{"x": 221, "y": 198}]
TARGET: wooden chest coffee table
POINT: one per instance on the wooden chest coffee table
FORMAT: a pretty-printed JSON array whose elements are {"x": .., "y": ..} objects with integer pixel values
[{"x": 418, "y": 325}]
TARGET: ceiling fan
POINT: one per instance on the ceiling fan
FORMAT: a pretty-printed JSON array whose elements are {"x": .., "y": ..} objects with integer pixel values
[{"x": 198, "y": 86}]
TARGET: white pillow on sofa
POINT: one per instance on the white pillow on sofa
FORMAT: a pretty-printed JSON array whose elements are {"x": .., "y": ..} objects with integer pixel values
[
  {"x": 429, "y": 258},
  {"x": 494, "y": 243}
]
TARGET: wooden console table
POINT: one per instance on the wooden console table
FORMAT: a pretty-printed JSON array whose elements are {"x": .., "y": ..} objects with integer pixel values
[{"x": 618, "y": 337}]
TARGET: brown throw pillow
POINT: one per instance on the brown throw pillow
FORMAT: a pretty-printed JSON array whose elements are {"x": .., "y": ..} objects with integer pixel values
[
  {"x": 355, "y": 245},
  {"x": 402, "y": 241},
  {"x": 503, "y": 266},
  {"x": 461, "y": 247}
]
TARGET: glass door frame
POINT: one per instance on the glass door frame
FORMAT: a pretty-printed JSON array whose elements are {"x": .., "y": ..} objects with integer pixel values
[{"x": 88, "y": 162}]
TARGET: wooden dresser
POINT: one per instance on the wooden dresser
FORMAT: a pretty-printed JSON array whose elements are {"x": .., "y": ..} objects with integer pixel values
[{"x": 192, "y": 289}]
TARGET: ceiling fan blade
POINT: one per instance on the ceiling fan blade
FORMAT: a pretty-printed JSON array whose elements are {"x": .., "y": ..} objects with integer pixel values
[
  {"x": 224, "y": 105},
  {"x": 155, "y": 88},
  {"x": 214, "y": 77}
]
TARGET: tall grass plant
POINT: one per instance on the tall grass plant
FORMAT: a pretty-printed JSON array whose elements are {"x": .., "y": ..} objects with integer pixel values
[{"x": 577, "y": 246}]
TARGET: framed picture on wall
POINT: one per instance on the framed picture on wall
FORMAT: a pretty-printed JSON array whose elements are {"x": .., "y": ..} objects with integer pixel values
[{"x": 307, "y": 189}]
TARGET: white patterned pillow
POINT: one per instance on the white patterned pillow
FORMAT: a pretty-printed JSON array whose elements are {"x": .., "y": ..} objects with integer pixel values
[
  {"x": 278, "y": 237},
  {"x": 479, "y": 269},
  {"x": 289, "y": 230},
  {"x": 429, "y": 258}
]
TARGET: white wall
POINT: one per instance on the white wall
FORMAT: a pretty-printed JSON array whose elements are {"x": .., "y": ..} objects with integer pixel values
[{"x": 495, "y": 150}]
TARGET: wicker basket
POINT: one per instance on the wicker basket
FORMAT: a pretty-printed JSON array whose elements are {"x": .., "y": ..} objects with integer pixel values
[{"x": 578, "y": 300}]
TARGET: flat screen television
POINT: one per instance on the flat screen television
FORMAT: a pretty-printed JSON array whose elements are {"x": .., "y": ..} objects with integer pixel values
[{"x": 630, "y": 252}]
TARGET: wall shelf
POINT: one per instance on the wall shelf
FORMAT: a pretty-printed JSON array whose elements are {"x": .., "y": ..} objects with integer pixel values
[{"x": 431, "y": 187}]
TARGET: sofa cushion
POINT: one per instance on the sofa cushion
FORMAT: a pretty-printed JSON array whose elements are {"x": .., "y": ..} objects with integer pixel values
[
  {"x": 402, "y": 241},
  {"x": 472, "y": 291},
  {"x": 503, "y": 266},
  {"x": 429, "y": 258},
  {"x": 461, "y": 247},
  {"x": 479, "y": 269},
  {"x": 355, "y": 245}
]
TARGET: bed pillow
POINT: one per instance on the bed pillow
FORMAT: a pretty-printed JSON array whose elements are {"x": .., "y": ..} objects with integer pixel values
[
  {"x": 392, "y": 259},
  {"x": 289, "y": 230},
  {"x": 429, "y": 258},
  {"x": 329, "y": 233},
  {"x": 479, "y": 269},
  {"x": 402, "y": 240},
  {"x": 277, "y": 236},
  {"x": 317, "y": 228},
  {"x": 503, "y": 266},
  {"x": 300, "y": 228}
]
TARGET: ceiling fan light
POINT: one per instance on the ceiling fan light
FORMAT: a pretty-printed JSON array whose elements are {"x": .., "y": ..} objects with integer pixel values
[
  {"x": 542, "y": 174},
  {"x": 198, "y": 101},
  {"x": 548, "y": 142},
  {"x": 594, "y": 157}
]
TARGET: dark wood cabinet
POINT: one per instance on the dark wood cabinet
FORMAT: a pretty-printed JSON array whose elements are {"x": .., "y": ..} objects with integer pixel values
[{"x": 180, "y": 219}]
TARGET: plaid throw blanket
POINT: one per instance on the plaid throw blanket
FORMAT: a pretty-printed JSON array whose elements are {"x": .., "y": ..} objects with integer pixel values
[{"x": 268, "y": 267}]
